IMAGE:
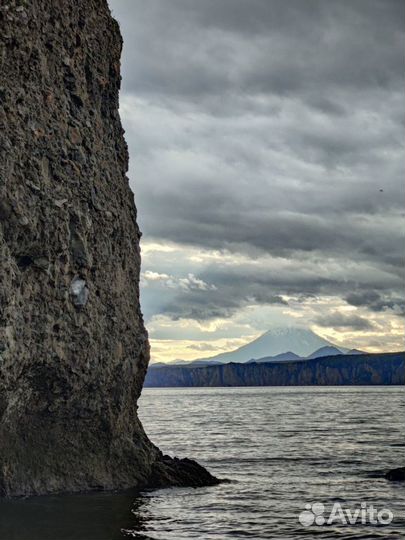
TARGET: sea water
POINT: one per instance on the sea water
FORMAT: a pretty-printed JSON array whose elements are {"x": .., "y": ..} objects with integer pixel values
[{"x": 292, "y": 455}]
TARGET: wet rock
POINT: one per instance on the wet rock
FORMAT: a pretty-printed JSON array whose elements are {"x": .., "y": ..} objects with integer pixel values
[
  {"x": 396, "y": 475},
  {"x": 168, "y": 471}
]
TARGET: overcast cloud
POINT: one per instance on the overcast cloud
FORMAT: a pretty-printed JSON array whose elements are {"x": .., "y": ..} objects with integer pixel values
[{"x": 267, "y": 135}]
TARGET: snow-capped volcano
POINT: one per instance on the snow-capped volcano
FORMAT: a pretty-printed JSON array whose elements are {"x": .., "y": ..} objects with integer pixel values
[{"x": 300, "y": 341}]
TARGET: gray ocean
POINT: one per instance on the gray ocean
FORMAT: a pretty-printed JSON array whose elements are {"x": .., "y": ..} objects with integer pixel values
[{"x": 280, "y": 448}]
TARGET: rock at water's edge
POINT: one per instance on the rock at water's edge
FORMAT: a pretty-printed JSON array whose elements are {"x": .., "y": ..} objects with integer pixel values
[
  {"x": 396, "y": 475},
  {"x": 73, "y": 347}
]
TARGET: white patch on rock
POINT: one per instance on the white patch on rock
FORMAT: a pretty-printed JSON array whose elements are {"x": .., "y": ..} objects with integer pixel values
[{"x": 79, "y": 292}]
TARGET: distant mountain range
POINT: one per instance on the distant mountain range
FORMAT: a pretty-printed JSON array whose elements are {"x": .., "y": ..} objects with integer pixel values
[
  {"x": 278, "y": 344},
  {"x": 343, "y": 369},
  {"x": 289, "y": 356},
  {"x": 282, "y": 357},
  {"x": 299, "y": 341}
]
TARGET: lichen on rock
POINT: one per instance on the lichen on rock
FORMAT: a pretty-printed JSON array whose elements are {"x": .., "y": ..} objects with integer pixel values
[{"x": 73, "y": 347}]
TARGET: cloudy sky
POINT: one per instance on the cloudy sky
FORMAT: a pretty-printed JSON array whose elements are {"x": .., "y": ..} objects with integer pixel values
[{"x": 266, "y": 156}]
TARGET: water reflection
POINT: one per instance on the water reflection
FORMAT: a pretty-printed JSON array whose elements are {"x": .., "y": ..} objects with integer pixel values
[{"x": 100, "y": 516}]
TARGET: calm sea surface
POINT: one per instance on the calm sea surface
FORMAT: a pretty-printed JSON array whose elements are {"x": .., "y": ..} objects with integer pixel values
[{"x": 281, "y": 448}]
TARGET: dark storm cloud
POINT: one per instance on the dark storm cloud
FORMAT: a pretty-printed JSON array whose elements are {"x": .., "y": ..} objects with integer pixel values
[
  {"x": 270, "y": 127},
  {"x": 338, "y": 320},
  {"x": 221, "y": 303},
  {"x": 190, "y": 49},
  {"x": 376, "y": 302},
  {"x": 210, "y": 221},
  {"x": 241, "y": 284},
  {"x": 234, "y": 292}
]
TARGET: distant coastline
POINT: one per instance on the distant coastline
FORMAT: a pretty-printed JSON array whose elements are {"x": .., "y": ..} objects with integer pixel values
[{"x": 364, "y": 369}]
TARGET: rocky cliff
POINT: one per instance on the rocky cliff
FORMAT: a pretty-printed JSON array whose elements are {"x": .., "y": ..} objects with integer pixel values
[
  {"x": 365, "y": 369},
  {"x": 73, "y": 347}
]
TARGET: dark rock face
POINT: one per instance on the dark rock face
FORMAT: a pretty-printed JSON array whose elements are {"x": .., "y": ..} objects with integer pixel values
[
  {"x": 396, "y": 475},
  {"x": 365, "y": 369},
  {"x": 169, "y": 471},
  {"x": 73, "y": 347}
]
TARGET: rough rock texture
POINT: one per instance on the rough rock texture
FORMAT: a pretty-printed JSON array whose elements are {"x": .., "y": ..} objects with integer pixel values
[{"x": 73, "y": 347}]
